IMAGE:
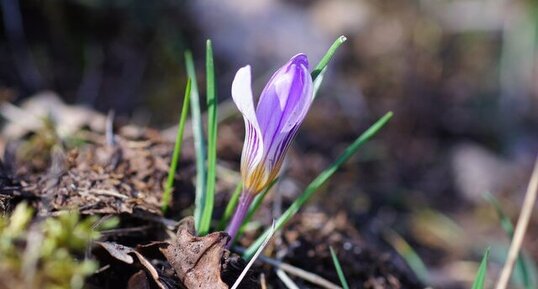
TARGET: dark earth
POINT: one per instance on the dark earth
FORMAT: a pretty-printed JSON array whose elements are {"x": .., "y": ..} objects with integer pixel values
[{"x": 99, "y": 174}]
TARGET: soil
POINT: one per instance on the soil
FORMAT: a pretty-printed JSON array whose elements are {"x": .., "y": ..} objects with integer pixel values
[{"x": 124, "y": 175}]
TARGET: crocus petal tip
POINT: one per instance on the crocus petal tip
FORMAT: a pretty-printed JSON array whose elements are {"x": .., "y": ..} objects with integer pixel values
[{"x": 299, "y": 59}]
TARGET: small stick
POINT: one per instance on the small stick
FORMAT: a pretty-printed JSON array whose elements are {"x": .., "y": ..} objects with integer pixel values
[
  {"x": 286, "y": 279},
  {"x": 109, "y": 130},
  {"x": 519, "y": 234},
  {"x": 240, "y": 278},
  {"x": 111, "y": 193},
  {"x": 263, "y": 283},
  {"x": 305, "y": 275}
]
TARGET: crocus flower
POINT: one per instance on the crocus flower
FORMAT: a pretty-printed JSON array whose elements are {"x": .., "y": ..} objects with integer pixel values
[{"x": 270, "y": 127}]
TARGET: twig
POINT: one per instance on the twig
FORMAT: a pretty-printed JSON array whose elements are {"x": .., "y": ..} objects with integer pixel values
[
  {"x": 125, "y": 231},
  {"x": 111, "y": 193},
  {"x": 263, "y": 283},
  {"x": 242, "y": 275},
  {"x": 308, "y": 276},
  {"x": 109, "y": 131},
  {"x": 286, "y": 279},
  {"x": 519, "y": 234}
]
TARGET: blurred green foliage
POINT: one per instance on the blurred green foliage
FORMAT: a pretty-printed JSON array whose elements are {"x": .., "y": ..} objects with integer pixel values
[{"x": 45, "y": 254}]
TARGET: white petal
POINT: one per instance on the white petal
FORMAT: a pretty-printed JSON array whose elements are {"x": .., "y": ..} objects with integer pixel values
[{"x": 242, "y": 96}]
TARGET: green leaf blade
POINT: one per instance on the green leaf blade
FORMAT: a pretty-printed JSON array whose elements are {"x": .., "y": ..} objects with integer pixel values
[
  {"x": 480, "y": 278},
  {"x": 338, "y": 268},
  {"x": 407, "y": 252},
  {"x": 321, "y": 179},
  {"x": 209, "y": 198},
  {"x": 198, "y": 135},
  {"x": 327, "y": 57},
  {"x": 167, "y": 195}
]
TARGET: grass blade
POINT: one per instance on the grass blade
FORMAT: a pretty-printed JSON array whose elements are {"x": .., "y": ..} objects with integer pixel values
[
  {"x": 230, "y": 207},
  {"x": 198, "y": 135},
  {"x": 338, "y": 268},
  {"x": 321, "y": 179},
  {"x": 408, "y": 253},
  {"x": 327, "y": 57},
  {"x": 521, "y": 270},
  {"x": 506, "y": 224},
  {"x": 318, "y": 81},
  {"x": 258, "y": 252},
  {"x": 480, "y": 278},
  {"x": 209, "y": 198},
  {"x": 167, "y": 195}
]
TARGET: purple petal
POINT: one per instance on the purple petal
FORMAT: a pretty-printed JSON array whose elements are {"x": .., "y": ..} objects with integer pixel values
[
  {"x": 283, "y": 106},
  {"x": 286, "y": 98}
]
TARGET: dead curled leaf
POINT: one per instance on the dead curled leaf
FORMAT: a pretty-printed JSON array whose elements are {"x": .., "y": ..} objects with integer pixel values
[
  {"x": 125, "y": 254},
  {"x": 197, "y": 260},
  {"x": 139, "y": 280}
]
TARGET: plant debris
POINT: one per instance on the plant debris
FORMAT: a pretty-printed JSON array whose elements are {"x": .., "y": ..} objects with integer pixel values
[
  {"x": 197, "y": 260},
  {"x": 125, "y": 254},
  {"x": 103, "y": 179},
  {"x": 96, "y": 177}
]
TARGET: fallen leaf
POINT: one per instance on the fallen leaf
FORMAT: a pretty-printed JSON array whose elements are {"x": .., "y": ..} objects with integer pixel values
[
  {"x": 197, "y": 260},
  {"x": 125, "y": 254},
  {"x": 139, "y": 280},
  {"x": 118, "y": 251}
]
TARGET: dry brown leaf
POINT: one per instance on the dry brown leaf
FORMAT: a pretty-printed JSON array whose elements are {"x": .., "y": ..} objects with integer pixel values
[
  {"x": 124, "y": 254},
  {"x": 139, "y": 280},
  {"x": 197, "y": 260},
  {"x": 118, "y": 251}
]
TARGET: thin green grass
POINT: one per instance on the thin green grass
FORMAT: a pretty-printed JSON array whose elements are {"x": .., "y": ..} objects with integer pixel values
[
  {"x": 230, "y": 207},
  {"x": 327, "y": 57},
  {"x": 209, "y": 198},
  {"x": 318, "y": 81},
  {"x": 338, "y": 268},
  {"x": 408, "y": 253},
  {"x": 167, "y": 194},
  {"x": 480, "y": 278},
  {"x": 320, "y": 180},
  {"x": 521, "y": 270},
  {"x": 198, "y": 135}
]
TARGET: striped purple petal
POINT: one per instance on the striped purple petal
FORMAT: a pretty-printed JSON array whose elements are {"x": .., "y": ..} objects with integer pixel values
[{"x": 270, "y": 129}]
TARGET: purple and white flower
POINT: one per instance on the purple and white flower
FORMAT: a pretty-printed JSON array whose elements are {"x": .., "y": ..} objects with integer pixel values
[{"x": 270, "y": 127}]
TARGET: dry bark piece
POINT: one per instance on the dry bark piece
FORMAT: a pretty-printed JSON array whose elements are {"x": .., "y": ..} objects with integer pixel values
[{"x": 197, "y": 260}]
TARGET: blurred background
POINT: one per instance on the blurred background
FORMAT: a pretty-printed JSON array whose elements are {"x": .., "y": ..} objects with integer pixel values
[{"x": 459, "y": 75}]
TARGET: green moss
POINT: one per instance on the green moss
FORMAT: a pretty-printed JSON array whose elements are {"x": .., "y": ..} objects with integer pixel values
[{"x": 45, "y": 254}]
